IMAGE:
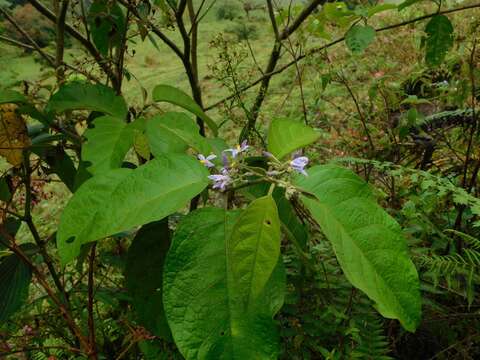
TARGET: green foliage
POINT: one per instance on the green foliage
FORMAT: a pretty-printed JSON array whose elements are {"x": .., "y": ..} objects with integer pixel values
[
  {"x": 107, "y": 142},
  {"x": 143, "y": 275},
  {"x": 359, "y": 37},
  {"x": 254, "y": 247},
  {"x": 174, "y": 132},
  {"x": 15, "y": 277},
  {"x": 210, "y": 316},
  {"x": 286, "y": 136},
  {"x": 273, "y": 258},
  {"x": 107, "y": 25},
  {"x": 227, "y": 11},
  {"x": 242, "y": 30},
  {"x": 177, "y": 97},
  {"x": 84, "y": 96},
  {"x": 439, "y": 39},
  {"x": 125, "y": 198},
  {"x": 368, "y": 243}
]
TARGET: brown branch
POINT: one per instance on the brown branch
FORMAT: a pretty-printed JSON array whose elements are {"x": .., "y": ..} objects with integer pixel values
[
  {"x": 60, "y": 29},
  {"x": 12, "y": 246},
  {"x": 91, "y": 296},
  {"x": 16, "y": 43},
  {"x": 27, "y": 36},
  {"x": 89, "y": 46}
]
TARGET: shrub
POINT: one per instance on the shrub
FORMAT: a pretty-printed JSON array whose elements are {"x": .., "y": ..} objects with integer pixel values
[
  {"x": 228, "y": 11},
  {"x": 243, "y": 31}
]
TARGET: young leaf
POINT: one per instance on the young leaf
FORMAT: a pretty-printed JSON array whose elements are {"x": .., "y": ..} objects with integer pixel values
[
  {"x": 359, "y": 37},
  {"x": 107, "y": 25},
  {"x": 13, "y": 135},
  {"x": 143, "y": 275},
  {"x": 204, "y": 307},
  {"x": 15, "y": 277},
  {"x": 78, "y": 95},
  {"x": 286, "y": 136},
  {"x": 121, "y": 199},
  {"x": 368, "y": 242},
  {"x": 108, "y": 141},
  {"x": 174, "y": 132},
  {"x": 175, "y": 96},
  {"x": 254, "y": 247},
  {"x": 439, "y": 39}
]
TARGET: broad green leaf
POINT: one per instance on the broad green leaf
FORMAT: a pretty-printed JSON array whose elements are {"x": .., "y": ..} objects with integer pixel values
[
  {"x": 176, "y": 96},
  {"x": 338, "y": 12},
  {"x": 439, "y": 39},
  {"x": 367, "y": 241},
  {"x": 205, "y": 308},
  {"x": 143, "y": 276},
  {"x": 286, "y": 136},
  {"x": 291, "y": 225},
  {"x": 78, "y": 95},
  {"x": 11, "y": 96},
  {"x": 108, "y": 141},
  {"x": 107, "y": 25},
  {"x": 174, "y": 132},
  {"x": 15, "y": 277},
  {"x": 254, "y": 247},
  {"x": 121, "y": 199},
  {"x": 359, "y": 37}
]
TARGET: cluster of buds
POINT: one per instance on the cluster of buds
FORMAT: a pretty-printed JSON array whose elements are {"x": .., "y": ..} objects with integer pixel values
[{"x": 234, "y": 169}]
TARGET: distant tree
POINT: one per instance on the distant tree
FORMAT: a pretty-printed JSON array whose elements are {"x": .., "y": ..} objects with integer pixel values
[{"x": 38, "y": 27}]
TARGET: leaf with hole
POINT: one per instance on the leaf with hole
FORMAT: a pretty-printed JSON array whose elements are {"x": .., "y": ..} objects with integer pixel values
[
  {"x": 205, "y": 308},
  {"x": 107, "y": 143},
  {"x": 121, "y": 199},
  {"x": 254, "y": 247}
]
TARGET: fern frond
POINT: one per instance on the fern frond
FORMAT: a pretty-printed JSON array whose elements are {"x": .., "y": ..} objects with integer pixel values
[{"x": 372, "y": 344}]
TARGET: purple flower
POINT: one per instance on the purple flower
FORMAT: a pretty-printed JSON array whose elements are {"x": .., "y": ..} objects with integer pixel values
[
  {"x": 206, "y": 160},
  {"x": 298, "y": 164},
  {"x": 238, "y": 149},
  {"x": 220, "y": 181},
  {"x": 267, "y": 154}
]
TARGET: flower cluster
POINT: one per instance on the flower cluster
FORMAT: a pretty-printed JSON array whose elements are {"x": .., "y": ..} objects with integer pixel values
[{"x": 235, "y": 170}]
